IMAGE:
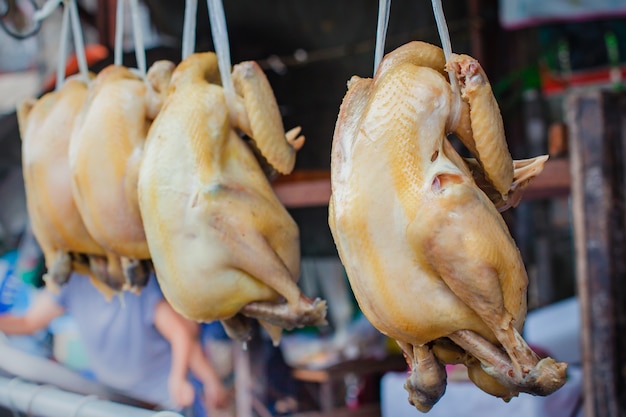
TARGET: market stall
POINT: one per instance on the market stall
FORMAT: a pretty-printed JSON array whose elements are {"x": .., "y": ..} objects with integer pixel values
[{"x": 312, "y": 209}]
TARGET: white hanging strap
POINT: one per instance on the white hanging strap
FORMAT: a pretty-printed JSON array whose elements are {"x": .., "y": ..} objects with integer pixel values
[
  {"x": 444, "y": 35},
  {"x": 222, "y": 48},
  {"x": 79, "y": 44},
  {"x": 70, "y": 16},
  {"x": 119, "y": 33},
  {"x": 189, "y": 28},
  {"x": 62, "y": 52},
  {"x": 381, "y": 31},
  {"x": 46, "y": 10},
  {"x": 140, "y": 52},
  {"x": 442, "y": 27}
]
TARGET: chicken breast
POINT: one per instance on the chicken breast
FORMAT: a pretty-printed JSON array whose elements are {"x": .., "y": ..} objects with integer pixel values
[
  {"x": 223, "y": 246},
  {"x": 105, "y": 154},
  {"x": 429, "y": 258}
]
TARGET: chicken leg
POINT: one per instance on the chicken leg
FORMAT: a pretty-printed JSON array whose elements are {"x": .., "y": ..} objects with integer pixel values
[{"x": 426, "y": 382}]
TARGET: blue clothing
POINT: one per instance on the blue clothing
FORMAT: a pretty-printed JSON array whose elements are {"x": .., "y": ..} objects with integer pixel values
[
  {"x": 212, "y": 331},
  {"x": 124, "y": 348}
]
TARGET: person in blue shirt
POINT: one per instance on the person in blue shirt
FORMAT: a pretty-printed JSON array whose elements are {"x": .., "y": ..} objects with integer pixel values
[{"x": 135, "y": 343}]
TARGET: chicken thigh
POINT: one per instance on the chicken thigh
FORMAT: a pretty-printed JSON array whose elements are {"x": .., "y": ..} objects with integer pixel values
[
  {"x": 429, "y": 258},
  {"x": 45, "y": 128},
  {"x": 105, "y": 155},
  {"x": 222, "y": 244}
]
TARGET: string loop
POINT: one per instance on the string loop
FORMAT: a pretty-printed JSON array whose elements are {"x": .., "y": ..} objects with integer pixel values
[
  {"x": 62, "y": 52},
  {"x": 189, "y": 28},
  {"x": 384, "y": 6},
  {"x": 70, "y": 17},
  {"x": 79, "y": 43},
  {"x": 222, "y": 49},
  {"x": 140, "y": 51},
  {"x": 444, "y": 35}
]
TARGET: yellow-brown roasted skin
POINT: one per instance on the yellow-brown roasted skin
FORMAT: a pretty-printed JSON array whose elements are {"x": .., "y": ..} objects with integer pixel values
[
  {"x": 45, "y": 127},
  {"x": 221, "y": 242},
  {"x": 105, "y": 155},
  {"x": 427, "y": 254}
]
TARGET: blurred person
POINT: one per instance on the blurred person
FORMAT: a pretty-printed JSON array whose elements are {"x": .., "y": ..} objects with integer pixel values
[{"x": 135, "y": 343}]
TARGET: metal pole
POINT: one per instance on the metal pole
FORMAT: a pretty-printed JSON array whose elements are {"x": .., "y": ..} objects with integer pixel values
[
  {"x": 49, "y": 401},
  {"x": 243, "y": 381}
]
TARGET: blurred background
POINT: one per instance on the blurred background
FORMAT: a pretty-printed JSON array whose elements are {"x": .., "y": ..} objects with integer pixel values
[{"x": 534, "y": 52}]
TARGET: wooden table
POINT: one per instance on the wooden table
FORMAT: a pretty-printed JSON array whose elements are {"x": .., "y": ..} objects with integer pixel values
[{"x": 327, "y": 379}]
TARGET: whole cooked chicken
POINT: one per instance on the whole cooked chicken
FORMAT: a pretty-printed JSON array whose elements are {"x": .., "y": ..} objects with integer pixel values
[
  {"x": 428, "y": 256},
  {"x": 105, "y": 155},
  {"x": 45, "y": 128},
  {"x": 223, "y": 246}
]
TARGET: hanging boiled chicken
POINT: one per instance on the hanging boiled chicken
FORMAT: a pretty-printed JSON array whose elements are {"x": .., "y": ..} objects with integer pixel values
[
  {"x": 105, "y": 154},
  {"x": 45, "y": 128},
  {"x": 223, "y": 246},
  {"x": 428, "y": 256}
]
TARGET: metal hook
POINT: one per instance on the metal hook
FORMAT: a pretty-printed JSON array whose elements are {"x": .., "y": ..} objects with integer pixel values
[{"x": 17, "y": 18}]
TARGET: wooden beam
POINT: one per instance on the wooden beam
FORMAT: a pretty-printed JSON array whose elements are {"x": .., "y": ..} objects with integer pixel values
[
  {"x": 304, "y": 189},
  {"x": 105, "y": 22},
  {"x": 310, "y": 188},
  {"x": 598, "y": 144},
  {"x": 475, "y": 29},
  {"x": 554, "y": 181}
]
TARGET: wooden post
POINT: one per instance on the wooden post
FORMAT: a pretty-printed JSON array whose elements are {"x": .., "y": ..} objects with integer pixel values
[
  {"x": 105, "y": 22},
  {"x": 597, "y": 124}
]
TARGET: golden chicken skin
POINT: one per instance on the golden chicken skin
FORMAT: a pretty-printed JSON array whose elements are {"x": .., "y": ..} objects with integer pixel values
[
  {"x": 428, "y": 256},
  {"x": 45, "y": 128},
  {"x": 222, "y": 244},
  {"x": 105, "y": 154}
]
